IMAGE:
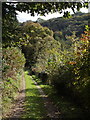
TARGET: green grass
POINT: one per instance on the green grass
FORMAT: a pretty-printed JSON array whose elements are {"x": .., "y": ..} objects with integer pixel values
[
  {"x": 10, "y": 93},
  {"x": 34, "y": 106},
  {"x": 67, "y": 106}
]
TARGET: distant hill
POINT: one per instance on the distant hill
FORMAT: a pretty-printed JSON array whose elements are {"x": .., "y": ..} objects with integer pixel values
[
  {"x": 63, "y": 27},
  {"x": 76, "y": 23},
  {"x": 39, "y": 20}
]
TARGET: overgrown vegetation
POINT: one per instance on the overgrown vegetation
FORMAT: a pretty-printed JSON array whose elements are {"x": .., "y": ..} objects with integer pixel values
[
  {"x": 73, "y": 76},
  {"x": 40, "y": 45},
  {"x": 70, "y": 72},
  {"x": 66, "y": 63},
  {"x": 13, "y": 63},
  {"x": 68, "y": 106}
]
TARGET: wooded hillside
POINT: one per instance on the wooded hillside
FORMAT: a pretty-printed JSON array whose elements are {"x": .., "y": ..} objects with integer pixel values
[{"x": 76, "y": 23}]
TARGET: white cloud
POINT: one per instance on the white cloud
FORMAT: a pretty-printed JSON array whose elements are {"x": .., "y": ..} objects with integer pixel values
[
  {"x": 49, "y": 16},
  {"x": 84, "y": 10},
  {"x": 24, "y": 16}
]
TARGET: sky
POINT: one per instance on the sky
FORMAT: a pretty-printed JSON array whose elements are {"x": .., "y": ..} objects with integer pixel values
[{"x": 23, "y": 17}]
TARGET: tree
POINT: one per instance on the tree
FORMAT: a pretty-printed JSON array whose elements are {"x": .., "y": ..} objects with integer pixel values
[
  {"x": 42, "y": 8},
  {"x": 39, "y": 40},
  {"x": 9, "y": 12}
]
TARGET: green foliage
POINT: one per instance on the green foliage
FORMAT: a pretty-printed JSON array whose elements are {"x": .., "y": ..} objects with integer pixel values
[
  {"x": 74, "y": 24},
  {"x": 42, "y": 8},
  {"x": 9, "y": 19},
  {"x": 13, "y": 60},
  {"x": 9, "y": 25},
  {"x": 82, "y": 70},
  {"x": 10, "y": 91},
  {"x": 68, "y": 69},
  {"x": 12, "y": 65},
  {"x": 39, "y": 42},
  {"x": 72, "y": 72}
]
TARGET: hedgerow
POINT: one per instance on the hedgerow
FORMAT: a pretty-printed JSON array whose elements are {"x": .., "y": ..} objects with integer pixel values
[{"x": 12, "y": 66}]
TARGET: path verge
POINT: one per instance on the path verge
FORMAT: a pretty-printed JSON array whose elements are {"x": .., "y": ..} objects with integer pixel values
[{"x": 18, "y": 106}]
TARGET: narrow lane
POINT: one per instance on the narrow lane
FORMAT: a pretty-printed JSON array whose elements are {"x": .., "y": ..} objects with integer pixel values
[{"x": 33, "y": 103}]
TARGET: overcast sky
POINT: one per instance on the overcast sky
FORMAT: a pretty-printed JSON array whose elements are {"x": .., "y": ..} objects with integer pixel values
[{"x": 22, "y": 17}]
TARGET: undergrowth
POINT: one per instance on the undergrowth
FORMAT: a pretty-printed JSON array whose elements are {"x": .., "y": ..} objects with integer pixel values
[
  {"x": 10, "y": 93},
  {"x": 66, "y": 105}
]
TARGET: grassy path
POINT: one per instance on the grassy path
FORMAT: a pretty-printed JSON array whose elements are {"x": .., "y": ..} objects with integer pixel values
[
  {"x": 32, "y": 103},
  {"x": 34, "y": 106}
]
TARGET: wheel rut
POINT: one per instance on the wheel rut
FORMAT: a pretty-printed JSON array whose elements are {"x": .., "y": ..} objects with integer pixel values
[{"x": 18, "y": 107}]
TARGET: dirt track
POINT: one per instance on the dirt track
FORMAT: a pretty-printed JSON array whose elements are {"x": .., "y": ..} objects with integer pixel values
[{"x": 18, "y": 107}]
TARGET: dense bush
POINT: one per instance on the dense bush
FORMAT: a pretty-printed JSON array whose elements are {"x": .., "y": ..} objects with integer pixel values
[
  {"x": 67, "y": 69},
  {"x": 72, "y": 74},
  {"x": 13, "y": 62},
  {"x": 39, "y": 45}
]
